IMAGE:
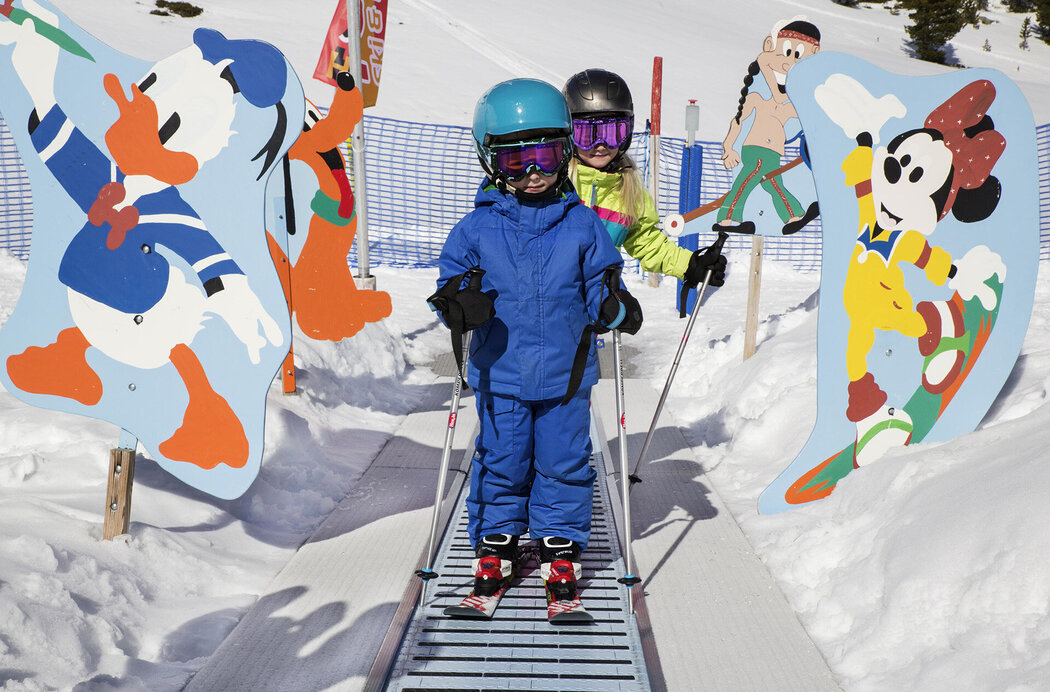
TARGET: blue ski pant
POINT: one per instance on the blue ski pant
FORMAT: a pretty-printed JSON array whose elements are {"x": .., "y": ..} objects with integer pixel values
[{"x": 531, "y": 468}]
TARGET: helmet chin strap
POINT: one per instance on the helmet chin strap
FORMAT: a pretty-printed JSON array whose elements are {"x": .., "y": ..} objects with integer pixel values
[
  {"x": 501, "y": 183},
  {"x": 550, "y": 193}
]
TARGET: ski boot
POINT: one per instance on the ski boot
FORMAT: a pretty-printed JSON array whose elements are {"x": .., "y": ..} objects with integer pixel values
[
  {"x": 494, "y": 568},
  {"x": 559, "y": 567},
  {"x": 495, "y": 562}
]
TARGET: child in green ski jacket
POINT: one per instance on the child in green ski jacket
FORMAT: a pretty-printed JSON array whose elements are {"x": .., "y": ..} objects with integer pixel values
[{"x": 608, "y": 181}]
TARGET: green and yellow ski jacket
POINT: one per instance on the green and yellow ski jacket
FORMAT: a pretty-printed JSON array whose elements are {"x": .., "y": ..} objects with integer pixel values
[{"x": 640, "y": 237}]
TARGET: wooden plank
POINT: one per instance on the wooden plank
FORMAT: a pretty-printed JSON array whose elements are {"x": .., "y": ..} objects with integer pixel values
[
  {"x": 754, "y": 285},
  {"x": 118, "y": 492}
]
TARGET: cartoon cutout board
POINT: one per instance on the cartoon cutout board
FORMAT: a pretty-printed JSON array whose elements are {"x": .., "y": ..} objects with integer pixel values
[
  {"x": 150, "y": 299},
  {"x": 929, "y": 199},
  {"x": 768, "y": 195},
  {"x": 320, "y": 223}
]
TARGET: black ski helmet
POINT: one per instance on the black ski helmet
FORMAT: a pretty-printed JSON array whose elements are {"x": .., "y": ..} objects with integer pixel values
[{"x": 597, "y": 92}]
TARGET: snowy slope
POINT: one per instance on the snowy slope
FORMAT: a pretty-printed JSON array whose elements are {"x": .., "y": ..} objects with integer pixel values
[
  {"x": 442, "y": 54},
  {"x": 919, "y": 572}
]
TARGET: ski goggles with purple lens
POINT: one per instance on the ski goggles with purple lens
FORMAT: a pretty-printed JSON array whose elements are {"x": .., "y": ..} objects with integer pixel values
[
  {"x": 612, "y": 132},
  {"x": 517, "y": 160}
]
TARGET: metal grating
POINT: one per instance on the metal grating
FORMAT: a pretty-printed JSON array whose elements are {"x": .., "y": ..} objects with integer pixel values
[{"x": 518, "y": 649}]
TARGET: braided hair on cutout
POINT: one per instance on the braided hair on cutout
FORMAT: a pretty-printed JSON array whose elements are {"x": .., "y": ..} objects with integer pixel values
[{"x": 752, "y": 70}]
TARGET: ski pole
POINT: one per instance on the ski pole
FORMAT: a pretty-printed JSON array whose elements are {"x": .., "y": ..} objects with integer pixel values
[
  {"x": 428, "y": 573},
  {"x": 716, "y": 248},
  {"x": 629, "y": 579}
]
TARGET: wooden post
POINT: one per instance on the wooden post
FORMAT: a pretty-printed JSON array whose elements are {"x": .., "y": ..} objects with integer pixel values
[
  {"x": 654, "y": 142},
  {"x": 753, "y": 286},
  {"x": 118, "y": 492}
]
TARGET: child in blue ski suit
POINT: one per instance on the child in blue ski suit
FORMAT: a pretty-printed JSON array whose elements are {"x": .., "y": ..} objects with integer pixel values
[{"x": 545, "y": 258}]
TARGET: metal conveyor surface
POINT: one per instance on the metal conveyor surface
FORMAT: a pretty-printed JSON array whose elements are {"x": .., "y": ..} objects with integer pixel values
[{"x": 518, "y": 649}]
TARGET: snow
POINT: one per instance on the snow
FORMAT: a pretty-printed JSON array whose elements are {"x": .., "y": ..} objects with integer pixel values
[{"x": 924, "y": 570}]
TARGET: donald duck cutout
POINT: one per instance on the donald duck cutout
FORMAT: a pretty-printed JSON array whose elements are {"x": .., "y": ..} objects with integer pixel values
[
  {"x": 918, "y": 320},
  {"x": 150, "y": 300}
]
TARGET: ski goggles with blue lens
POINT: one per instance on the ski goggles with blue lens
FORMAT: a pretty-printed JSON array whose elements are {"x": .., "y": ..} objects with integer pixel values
[
  {"x": 612, "y": 132},
  {"x": 516, "y": 161}
]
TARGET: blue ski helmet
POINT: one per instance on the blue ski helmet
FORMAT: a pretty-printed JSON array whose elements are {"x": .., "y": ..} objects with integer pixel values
[{"x": 519, "y": 110}]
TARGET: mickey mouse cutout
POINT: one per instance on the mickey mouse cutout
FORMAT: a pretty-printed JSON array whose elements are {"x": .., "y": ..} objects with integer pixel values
[
  {"x": 148, "y": 187},
  {"x": 909, "y": 306}
]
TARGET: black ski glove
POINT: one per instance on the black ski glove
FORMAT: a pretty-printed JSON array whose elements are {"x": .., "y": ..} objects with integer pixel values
[
  {"x": 709, "y": 258},
  {"x": 620, "y": 310},
  {"x": 701, "y": 261},
  {"x": 463, "y": 309}
]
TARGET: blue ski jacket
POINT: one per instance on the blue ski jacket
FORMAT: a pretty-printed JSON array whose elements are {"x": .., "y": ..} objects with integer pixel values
[{"x": 544, "y": 262}]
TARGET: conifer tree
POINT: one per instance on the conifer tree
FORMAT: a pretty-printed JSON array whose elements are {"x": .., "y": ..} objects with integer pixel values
[
  {"x": 935, "y": 22},
  {"x": 1042, "y": 18},
  {"x": 1019, "y": 5}
]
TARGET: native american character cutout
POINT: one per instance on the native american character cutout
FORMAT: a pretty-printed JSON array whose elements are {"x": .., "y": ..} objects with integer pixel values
[
  {"x": 317, "y": 279},
  {"x": 928, "y": 192},
  {"x": 150, "y": 300},
  {"x": 753, "y": 149}
]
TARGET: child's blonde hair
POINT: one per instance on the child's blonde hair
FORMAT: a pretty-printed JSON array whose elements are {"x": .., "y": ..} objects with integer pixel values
[{"x": 632, "y": 188}]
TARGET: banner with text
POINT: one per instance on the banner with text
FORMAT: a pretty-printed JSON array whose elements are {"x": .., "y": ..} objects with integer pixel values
[{"x": 335, "y": 55}]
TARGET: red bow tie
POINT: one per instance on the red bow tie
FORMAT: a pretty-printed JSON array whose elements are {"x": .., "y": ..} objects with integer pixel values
[{"x": 120, "y": 221}]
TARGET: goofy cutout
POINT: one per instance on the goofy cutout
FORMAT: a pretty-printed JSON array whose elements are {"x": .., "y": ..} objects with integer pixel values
[
  {"x": 319, "y": 285},
  {"x": 942, "y": 210},
  {"x": 148, "y": 184}
]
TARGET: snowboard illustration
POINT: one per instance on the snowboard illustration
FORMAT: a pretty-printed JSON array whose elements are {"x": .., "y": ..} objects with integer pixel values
[
  {"x": 768, "y": 194},
  {"x": 150, "y": 300},
  {"x": 928, "y": 193},
  {"x": 315, "y": 201}
]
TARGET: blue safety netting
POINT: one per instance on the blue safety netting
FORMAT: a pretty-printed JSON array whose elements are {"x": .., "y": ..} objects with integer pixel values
[
  {"x": 421, "y": 179},
  {"x": 16, "y": 200}
]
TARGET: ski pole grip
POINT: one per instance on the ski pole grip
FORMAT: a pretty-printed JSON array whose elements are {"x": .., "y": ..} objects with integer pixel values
[
  {"x": 612, "y": 279},
  {"x": 713, "y": 252},
  {"x": 716, "y": 247},
  {"x": 619, "y": 317},
  {"x": 474, "y": 278}
]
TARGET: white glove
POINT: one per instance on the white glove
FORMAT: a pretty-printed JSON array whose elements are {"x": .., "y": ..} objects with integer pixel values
[
  {"x": 853, "y": 108},
  {"x": 241, "y": 309},
  {"x": 977, "y": 266},
  {"x": 35, "y": 58}
]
